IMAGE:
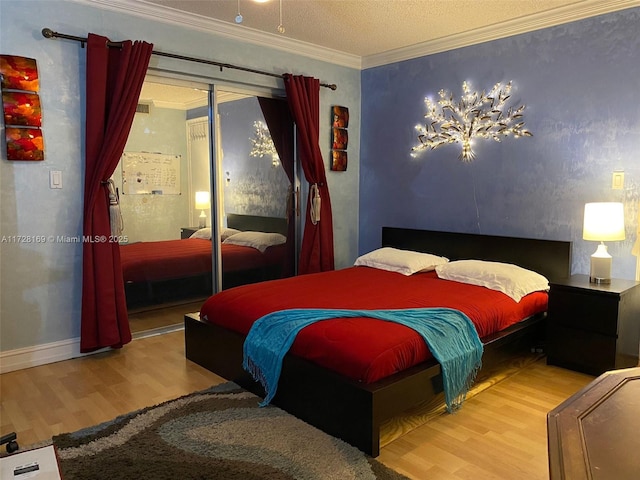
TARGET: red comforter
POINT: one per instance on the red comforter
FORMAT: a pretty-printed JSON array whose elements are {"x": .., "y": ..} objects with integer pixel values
[
  {"x": 366, "y": 349},
  {"x": 169, "y": 259}
]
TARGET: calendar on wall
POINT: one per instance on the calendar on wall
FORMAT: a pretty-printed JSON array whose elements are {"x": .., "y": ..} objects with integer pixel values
[{"x": 150, "y": 173}]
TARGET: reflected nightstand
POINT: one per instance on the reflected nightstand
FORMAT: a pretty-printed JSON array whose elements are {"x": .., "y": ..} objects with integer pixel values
[{"x": 186, "y": 232}]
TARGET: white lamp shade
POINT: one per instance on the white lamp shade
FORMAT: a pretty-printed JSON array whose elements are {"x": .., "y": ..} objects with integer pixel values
[
  {"x": 603, "y": 221},
  {"x": 203, "y": 200}
]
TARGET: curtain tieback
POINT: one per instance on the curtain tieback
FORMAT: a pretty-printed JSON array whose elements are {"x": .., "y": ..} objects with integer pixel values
[
  {"x": 115, "y": 215},
  {"x": 314, "y": 212}
]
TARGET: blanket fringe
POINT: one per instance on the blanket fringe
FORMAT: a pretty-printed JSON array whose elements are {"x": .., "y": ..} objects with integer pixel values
[
  {"x": 456, "y": 403},
  {"x": 256, "y": 373}
]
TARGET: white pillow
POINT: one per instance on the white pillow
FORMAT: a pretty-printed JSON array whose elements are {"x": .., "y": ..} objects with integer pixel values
[
  {"x": 204, "y": 233},
  {"x": 509, "y": 279},
  {"x": 405, "y": 262},
  {"x": 258, "y": 240},
  {"x": 227, "y": 233}
]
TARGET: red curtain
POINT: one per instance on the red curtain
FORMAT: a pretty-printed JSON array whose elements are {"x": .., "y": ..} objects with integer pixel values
[
  {"x": 280, "y": 124},
  {"x": 113, "y": 84},
  {"x": 303, "y": 97}
]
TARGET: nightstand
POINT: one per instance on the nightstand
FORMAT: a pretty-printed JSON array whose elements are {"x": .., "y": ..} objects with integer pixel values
[
  {"x": 186, "y": 232},
  {"x": 593, "y": 328}
]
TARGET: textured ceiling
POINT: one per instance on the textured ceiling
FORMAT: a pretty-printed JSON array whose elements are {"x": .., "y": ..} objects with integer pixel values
[
  {"x": 369, "y": 27},
  {"x": 360, "y": 33}
]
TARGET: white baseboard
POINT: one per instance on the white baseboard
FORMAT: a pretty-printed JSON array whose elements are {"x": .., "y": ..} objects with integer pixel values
[
  {"x": 40, "y": 355},
  {"x": 58, "y": 351}
]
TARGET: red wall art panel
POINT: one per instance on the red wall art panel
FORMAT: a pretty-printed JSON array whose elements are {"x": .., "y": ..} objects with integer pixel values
[
  {"x": 21, "y": 108},
  {"x": 24, "y": 143},
  {"x": 338, "y": 160},
  {"x": 19, "y": 73},
  {"x": 339, "y": 138}
]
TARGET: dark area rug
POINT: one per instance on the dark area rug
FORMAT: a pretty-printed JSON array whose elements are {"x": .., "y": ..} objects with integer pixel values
[{"x": 219, "y": 433}]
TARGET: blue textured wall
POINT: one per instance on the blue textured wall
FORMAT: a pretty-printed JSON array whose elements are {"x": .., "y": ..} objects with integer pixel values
[
  {"x": 581, "y": 85},
  {"x": 256, "y": 187}
]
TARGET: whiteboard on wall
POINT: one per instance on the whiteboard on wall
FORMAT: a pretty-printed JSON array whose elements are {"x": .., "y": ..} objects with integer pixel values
[{"x": 150, "y": 173}]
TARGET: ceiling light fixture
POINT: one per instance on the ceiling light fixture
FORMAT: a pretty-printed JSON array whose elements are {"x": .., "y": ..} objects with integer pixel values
[
  {"x": 280, "y": 26},
  {"x": 239, "y": 16}
]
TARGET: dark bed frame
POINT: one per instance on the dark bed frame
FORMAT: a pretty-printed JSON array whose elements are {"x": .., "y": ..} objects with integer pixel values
[
  {"x": 152, "y": 293},
  {"x": 354, "y": 411}
]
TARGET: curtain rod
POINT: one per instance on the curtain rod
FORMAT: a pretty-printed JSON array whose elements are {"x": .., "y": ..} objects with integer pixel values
[{"x": 48, "y": 33}]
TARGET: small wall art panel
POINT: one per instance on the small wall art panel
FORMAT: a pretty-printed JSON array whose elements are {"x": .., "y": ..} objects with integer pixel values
[
  {"x": 339, "y": 138},
  {"x": 24, "y": 143},
  {"x": 21, "y": 108}
]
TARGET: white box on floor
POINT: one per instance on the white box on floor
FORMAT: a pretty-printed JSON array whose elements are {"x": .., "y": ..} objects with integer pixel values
[{"x": 37, "y": 464}]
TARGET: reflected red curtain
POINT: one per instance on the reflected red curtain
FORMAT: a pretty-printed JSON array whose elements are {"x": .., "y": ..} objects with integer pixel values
[
  {"x": 278, "y": 119},
  {"x": 303, "y": 97},
  {"x": 113, "y": 84}
]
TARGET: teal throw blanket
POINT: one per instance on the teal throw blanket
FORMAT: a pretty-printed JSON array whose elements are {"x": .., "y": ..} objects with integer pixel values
[{"x": 449, "y": 334}]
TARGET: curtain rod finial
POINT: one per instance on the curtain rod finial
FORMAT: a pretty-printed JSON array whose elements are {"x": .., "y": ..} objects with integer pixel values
[{"x": 48, "y": 33}]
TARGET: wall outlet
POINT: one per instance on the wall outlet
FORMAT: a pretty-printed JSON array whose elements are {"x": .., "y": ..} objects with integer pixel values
[{"x": 617, "y": 181}]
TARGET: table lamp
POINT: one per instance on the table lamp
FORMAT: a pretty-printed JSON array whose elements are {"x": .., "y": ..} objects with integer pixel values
[
  {"x": 202, "y": 203},
  {"x": 603, "y": 221}
]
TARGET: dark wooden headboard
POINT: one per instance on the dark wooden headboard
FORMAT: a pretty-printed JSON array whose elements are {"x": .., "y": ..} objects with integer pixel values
[
  {"x": 256, "y": 223},
  {"x": 551, "y": 258}
]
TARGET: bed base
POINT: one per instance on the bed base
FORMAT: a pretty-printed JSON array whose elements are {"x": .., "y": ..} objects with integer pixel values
[
  {"x": 354, "y": 411},
  {"x": 335, "y": 404}
]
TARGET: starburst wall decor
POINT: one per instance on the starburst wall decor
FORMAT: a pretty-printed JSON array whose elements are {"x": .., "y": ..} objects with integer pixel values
[
  {"x": 475, "y": 115},
  {"x": 263, "y": 144}
]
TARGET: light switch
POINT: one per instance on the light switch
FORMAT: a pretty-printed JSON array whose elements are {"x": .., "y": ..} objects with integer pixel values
[
  {"x": 55, "y": 179},
  {"x": 617, "y": 182}
]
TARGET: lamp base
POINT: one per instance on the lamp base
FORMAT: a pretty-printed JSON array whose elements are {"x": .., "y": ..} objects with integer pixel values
[
  {"x": 202, "y": 220},
  {"x": 600, "y": 266},
  {"x": 600, "y": 281}
]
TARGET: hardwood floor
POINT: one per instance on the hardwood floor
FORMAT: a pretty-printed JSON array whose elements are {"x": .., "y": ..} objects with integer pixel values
[
  {"x": 43, "y": 401},
  {"x": 162, "y": 316},
  {"x": 498, "y": 434}
]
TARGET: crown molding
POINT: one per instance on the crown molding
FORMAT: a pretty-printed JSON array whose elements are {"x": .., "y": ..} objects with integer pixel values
[
  {"x": 193, "y": 21},
  {"x": 557, "y": 16},
  {"x": 551, "y": 18}
]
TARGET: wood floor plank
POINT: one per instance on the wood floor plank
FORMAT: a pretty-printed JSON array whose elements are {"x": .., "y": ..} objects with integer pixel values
[{"x": 500, "y": 433}]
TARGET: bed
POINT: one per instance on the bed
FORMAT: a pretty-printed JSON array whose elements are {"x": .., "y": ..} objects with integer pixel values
[
  {"x": 171, "y": 269},
  {"x": 349, "y": 404}
]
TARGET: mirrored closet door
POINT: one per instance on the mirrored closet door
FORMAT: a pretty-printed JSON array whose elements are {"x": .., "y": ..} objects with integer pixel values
[{"x": 205, "y": 199}]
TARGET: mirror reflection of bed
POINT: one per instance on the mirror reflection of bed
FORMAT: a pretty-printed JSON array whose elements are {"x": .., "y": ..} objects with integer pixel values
[
  {"x": 161, "y": 273},
  {"x": 166, "y": 272}
]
